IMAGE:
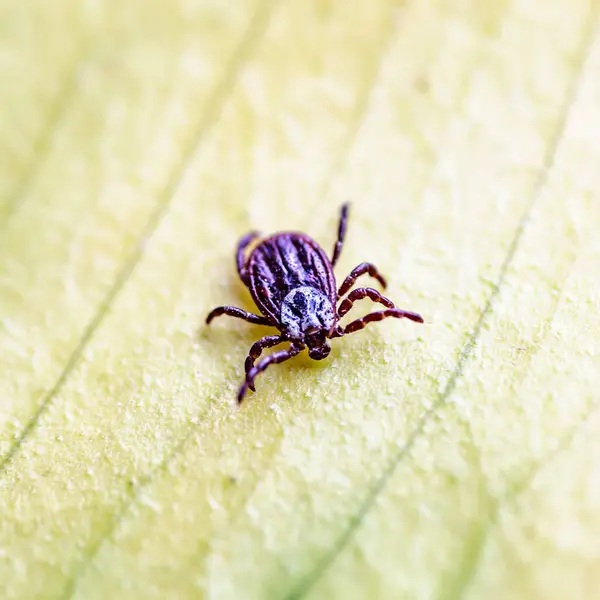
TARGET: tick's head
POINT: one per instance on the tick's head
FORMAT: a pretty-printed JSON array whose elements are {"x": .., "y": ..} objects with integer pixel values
[{"x": 307, "y": 315}]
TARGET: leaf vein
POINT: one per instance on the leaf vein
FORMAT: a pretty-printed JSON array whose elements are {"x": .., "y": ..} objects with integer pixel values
[
  {"x": 43, "y": 144},
  {"x": 377, "y": 488},
  {"x": 208, "y": 118}
]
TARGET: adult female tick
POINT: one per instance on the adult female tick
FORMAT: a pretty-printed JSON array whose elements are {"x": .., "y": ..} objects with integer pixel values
[{"x": 292, "y": 283}]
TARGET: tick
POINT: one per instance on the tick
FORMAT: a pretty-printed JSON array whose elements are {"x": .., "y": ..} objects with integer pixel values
[{"x": 292, "y": 283}]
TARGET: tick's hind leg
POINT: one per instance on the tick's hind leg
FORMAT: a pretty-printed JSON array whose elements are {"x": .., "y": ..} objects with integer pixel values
[
  {"x": 240, "y": 258},
  {"x": 234, "y": 311},
  {"x": 276, "y": 357},
  {"x": 256, "y": 351},
  {"x": 359, "y": 294},
  {"x": 357, "y": 272},
  {"x": 379, "y": 316},
  {"x": 341, "y": 234}
]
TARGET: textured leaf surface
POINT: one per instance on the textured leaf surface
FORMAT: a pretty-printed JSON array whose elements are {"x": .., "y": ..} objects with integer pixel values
[{"x": 459, "y": 459}]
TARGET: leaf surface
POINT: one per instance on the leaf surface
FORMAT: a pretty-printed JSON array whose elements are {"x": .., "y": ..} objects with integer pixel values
[{"x": 455, "y": 459}]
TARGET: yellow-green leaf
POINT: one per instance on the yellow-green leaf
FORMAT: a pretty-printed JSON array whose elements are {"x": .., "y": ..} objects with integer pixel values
[{"x": 456, "y": 459}]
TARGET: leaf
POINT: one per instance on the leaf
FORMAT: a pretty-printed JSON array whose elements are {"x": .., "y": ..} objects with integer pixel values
[{"x": 452, "y": 460}]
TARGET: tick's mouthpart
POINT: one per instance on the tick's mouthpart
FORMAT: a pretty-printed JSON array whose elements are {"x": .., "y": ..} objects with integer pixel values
[{"x": 319, "y": 353}]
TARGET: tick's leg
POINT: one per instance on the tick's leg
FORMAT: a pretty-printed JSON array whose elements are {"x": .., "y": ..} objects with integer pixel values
[
  {"x": 240, "y": 259},
  {"x": 359, "y": 294},
  {"x": 341, "y": 234},
  {"x": 276, "y": 357},
  {"x": 233, "y": 311},
  {"x": 357, "y": 272},
  {"x": 257, "y": 348},
  {"x": 379, "y": 316}
]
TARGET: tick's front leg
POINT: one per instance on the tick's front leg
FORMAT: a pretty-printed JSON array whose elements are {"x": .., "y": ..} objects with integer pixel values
[
  {"x": 359, "y": 294},
  {"x": 379, "y": 316},
  {"x": 337, "y": 249},
  {"x": 361, "y": 269},
  {"x": 238, "y": 313},
  {"x": 276, "y": 357},
  {"x": 256, "y": 351}
]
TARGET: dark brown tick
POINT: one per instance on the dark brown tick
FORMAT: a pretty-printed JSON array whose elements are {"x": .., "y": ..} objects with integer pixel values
[{"x": 292, "y": 283}]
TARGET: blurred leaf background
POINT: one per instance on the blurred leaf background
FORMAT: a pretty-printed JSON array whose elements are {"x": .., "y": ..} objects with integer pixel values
[{"x": 139, "y": 140}]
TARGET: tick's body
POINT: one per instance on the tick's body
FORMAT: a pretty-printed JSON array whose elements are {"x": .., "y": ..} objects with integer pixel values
[
  {"x": 285, "y": 269},
  {"x": 292, "y": 283}
]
